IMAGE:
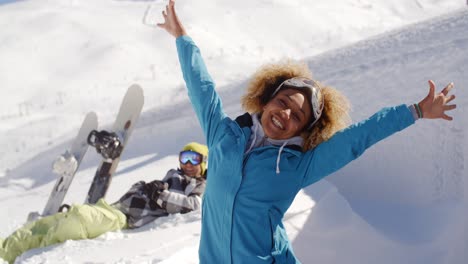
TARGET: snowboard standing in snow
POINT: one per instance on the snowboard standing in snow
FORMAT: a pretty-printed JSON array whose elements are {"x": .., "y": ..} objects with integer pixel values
[
  {"x": 111, "y": 144},
  {"x": 66, "y": 166}
]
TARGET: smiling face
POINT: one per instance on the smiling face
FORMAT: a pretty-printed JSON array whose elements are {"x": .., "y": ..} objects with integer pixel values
[
  {"x": 191, "y": 170},
  {"x": 286, "y": 115}
]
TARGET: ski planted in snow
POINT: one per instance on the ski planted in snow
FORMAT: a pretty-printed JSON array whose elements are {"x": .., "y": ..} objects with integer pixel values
[{"x": 111, "y": 144}]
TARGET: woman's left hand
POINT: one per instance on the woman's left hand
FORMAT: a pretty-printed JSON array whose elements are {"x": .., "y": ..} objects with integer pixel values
[{"x": 435, "y": 105}]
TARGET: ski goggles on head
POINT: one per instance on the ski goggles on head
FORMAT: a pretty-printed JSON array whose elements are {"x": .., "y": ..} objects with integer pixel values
[
  {"x": 193, "y": 157},
  {"x": 312, "y": 88}
]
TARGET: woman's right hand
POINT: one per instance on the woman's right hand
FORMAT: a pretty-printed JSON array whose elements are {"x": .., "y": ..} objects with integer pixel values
[{"x": 171, "y": 21}]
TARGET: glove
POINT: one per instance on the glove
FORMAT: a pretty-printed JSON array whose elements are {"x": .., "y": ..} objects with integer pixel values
[
  {"x": 161, "y": 200},
  {"x": 159, "y": 185},
  {"x": 154, "y": 188}
]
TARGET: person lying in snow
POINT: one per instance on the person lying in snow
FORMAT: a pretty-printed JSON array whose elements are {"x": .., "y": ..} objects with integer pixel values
[{"x": 179, "y": 192}]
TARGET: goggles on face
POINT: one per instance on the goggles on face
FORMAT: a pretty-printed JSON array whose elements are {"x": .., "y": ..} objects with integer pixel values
[
  {"x": 193, "y": 157},
  {"x": 314, "y": 90}
]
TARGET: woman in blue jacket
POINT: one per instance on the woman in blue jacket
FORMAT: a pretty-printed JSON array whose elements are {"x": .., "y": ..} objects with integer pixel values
[{"x": 291, "y": 137}]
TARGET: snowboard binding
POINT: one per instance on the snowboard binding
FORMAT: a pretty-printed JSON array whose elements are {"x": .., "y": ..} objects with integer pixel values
[{"x": 106, "y": 143}]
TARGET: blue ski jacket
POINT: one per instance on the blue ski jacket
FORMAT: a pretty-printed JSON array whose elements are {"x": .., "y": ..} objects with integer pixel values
[{"x": 246, "y": 196}]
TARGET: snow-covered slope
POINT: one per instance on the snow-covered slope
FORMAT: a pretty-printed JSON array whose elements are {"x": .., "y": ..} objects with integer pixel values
[
  {"x": 404, "y": 201},
  {"x": 410, "y": 190}
]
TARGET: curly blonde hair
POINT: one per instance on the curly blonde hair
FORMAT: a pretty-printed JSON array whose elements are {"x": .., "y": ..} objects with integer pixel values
[{"x": 263, "y": 83}]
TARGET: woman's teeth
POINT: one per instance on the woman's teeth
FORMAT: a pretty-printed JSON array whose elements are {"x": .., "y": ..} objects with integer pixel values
[{"x": 277, "y": 122}]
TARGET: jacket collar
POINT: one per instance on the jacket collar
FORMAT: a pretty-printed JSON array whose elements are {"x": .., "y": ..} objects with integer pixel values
[{"x": 258, "y": 138}]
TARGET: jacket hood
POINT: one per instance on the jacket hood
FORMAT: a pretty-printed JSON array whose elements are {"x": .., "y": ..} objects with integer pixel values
[{"x": 265, "y": 81}]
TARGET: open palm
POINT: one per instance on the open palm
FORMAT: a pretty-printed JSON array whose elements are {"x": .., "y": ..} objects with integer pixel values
[{"x": 435, "y": 105}]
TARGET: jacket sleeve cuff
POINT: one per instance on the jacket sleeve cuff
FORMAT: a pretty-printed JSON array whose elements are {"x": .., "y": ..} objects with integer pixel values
[
  {"x": 184, "y": 38},
  {"x": 414, "y": 112}
]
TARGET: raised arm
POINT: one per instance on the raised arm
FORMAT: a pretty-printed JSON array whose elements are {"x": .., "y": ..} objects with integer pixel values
[
  {"x": 350, "y": 143},
  {"x": 205, "y": 100}
]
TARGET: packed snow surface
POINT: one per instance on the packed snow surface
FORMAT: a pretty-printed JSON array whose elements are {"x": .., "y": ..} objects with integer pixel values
[{"x": 404, "y": 201}]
